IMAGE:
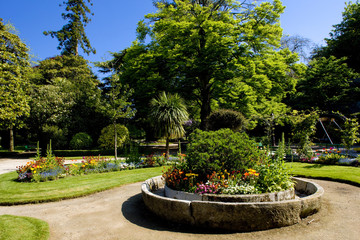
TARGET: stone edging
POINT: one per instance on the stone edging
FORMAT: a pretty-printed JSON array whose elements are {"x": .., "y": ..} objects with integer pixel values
[{"x": 239, "y": 216}]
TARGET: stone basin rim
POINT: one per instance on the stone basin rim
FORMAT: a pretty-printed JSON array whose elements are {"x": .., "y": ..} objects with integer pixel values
[{"x": 233, "y": 216}]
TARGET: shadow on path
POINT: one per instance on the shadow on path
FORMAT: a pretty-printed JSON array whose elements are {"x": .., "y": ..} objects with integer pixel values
[{"x": 135, "y": 211}]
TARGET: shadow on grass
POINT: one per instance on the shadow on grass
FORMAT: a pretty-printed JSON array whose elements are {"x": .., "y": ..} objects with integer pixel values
[
  {"x": 315, "y": 166},
  {"x": 135, "y": 211}
]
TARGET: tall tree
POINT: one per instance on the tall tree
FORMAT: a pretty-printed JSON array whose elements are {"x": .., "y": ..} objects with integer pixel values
[
  {"x": 116, "y": 104},
  {"x": 199, "y": 48},
  {"x": 168, "y": 115},
  {"x": 65, "y": 94},
  {"x": 73, "y": 34},
  {"x": 344, "y": 40},
  {"x": 14, "y": 85}
]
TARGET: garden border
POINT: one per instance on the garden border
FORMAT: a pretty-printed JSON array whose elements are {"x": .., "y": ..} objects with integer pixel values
[{"x": 239, "y": 216}]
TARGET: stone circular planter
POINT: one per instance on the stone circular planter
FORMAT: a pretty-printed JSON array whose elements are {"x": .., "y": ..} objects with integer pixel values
[{"x": 234, "y": 216}]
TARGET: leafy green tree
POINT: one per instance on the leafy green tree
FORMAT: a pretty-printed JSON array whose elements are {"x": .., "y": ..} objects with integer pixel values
[
  {"x": 73, "y": 34},
  {"x": 14, "y": 84},
  {"x": 65, "y": 93},
  {"x": 168, "y": 114},
  {"x": 344, "y": 40},
  {"x": 211, "y": 52},
  {"x": 326, "y": 85},
  {"x": 116, "y": 105}
]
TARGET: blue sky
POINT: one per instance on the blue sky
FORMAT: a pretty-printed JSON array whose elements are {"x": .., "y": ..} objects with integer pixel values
[{"x": 114, "y": 22}]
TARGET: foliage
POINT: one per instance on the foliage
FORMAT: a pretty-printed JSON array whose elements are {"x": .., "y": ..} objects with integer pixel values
[
  {"x": 14, "y": 84},
  {"x": 81, "y": 140},
  {"x": 303, "y": 127},
  {"x": 133, "y": 156},
  {"x": 107, "y": 137},
  {"x": 16, "y": 227},
  {"x": 350, "y": 133},
  {"x": 326, "y": 85},
  {"x": 73, "y": 34},
  {"x": 221, "y": 150},
  {"x": 344, "y": 38},
  {"x": 210, "y": 52},
  {"x": 225, "y": 118},
  {"x": 56, "y": 135},
  {"x": 168, "y": 114},
  {"x": 65, "y": 93}
]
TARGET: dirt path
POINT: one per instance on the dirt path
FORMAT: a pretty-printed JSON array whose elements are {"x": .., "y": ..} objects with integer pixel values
[{"x": 120, "y": 214}]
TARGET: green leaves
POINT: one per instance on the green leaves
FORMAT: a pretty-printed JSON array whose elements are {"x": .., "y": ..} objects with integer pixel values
[
  {"x": 168, "y": 113},
  {"x": 14, "y": 84}
]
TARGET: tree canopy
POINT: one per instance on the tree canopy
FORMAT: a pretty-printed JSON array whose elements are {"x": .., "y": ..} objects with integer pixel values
[
  {"x": 210, "y": 52},
  {"x": 14, "y": 85},
  {"x": 344, "y": 40},
  {"x": 73, "y": 34}
]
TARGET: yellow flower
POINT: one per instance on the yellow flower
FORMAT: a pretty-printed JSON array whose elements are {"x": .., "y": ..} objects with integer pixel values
[{"x": 34, "y": 171}]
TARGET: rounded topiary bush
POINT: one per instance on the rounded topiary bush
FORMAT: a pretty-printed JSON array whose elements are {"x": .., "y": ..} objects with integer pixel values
[
  {"x": 225, "y": 118},
  {"x": 107, "y": 137},
  {"x": 81, "y": 140},
  {"x": 221, "y": 150}
]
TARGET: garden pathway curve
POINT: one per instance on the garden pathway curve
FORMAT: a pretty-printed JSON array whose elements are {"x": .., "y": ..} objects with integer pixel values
[{"x": 120, "y": 214}]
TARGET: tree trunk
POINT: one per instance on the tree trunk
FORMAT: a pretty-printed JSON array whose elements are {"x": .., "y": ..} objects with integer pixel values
[
  {"x": 205, "y": 106},
  {"x": 11, "y": 131},
  {"x": 115, "y": 132},
  {"x": 167, "y": 148}
]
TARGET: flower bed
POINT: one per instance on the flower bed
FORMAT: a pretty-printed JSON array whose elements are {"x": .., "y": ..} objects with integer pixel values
[
  {"x": 333, "y": 156},
  {"x": 51, "y": 167},
  {"x": 226, "y": 162}
]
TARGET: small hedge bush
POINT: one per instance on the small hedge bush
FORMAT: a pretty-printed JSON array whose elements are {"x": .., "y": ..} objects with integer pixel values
[
  {"x": 221, "y": 150},
  {"x": 224, "y": 118},
  {"x": 81, "y": 140}
]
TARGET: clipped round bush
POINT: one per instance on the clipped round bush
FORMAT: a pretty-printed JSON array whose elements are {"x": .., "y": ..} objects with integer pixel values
[
  {"x": 107, "y": 137},
  {"x": 81, "y": 140},
  {"x": 221, "y": 150},
  {"x": 225, "y": 118}
]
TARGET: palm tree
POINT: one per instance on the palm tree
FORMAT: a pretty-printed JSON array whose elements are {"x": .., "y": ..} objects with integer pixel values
[{"x": 168, "y": 114}]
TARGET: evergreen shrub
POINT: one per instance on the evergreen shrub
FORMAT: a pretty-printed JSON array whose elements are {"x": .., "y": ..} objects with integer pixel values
[
  {"x": 225, "y": 118},
  {"x": 81, "y": 140},
  {"x": 221, "y": 150}
]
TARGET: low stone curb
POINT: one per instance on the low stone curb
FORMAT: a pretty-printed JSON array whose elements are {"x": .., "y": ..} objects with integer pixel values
[{"x": 234, "y": 216}]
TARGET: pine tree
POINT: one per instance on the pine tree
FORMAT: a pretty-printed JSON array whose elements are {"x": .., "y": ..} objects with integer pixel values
[{"x": 73, "y": 34}]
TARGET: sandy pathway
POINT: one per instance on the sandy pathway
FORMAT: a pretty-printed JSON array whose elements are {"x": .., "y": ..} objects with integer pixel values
[{"x": 120, "y": 214}]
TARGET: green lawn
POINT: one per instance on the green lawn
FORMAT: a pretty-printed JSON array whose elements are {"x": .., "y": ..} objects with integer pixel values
[
  {"x": 19, "y": 228},
  {"x": 13, "y": 192},
  {"x": 332, "y": 172}
]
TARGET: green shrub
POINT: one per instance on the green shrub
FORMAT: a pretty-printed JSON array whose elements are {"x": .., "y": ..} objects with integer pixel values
[
  {"x": 224, "y": 118},
  {"x": 107, "y": 137},
  {"x": 81, "y": 140},
  {"x": 56, "y": 135},
  {"x": 222, "y": 150}
]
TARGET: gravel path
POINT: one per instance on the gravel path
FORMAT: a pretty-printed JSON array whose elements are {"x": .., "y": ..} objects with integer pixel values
[{"x": 120, "y": 214}]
